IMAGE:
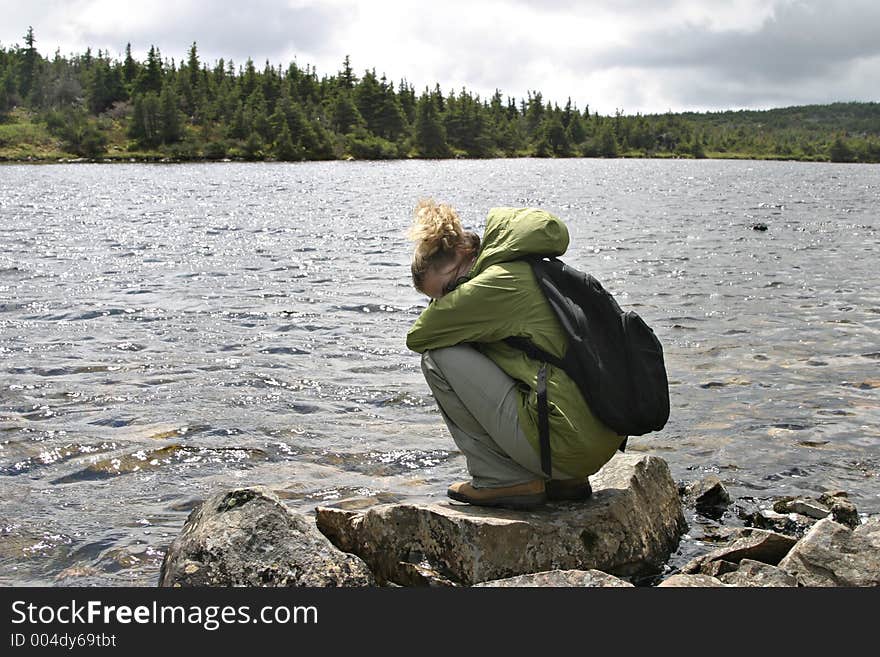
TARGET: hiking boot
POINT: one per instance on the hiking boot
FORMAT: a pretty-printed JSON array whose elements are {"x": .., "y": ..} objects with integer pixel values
[
  {"x": 568, "y": 490},
  {"x": 520, "y": 496}
]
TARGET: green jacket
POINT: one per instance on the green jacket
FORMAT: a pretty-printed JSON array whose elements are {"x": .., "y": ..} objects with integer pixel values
[{"x": 501, "y": 299}]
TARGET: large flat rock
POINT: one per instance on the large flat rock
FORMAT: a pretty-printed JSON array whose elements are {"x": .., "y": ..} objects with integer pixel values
[
  {"x": 248, "y": 537},
  {"x": 628, "y": 527}
]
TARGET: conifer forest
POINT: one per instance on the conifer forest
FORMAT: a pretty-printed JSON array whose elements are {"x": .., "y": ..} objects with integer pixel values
[{"x": 150, "y": 108}]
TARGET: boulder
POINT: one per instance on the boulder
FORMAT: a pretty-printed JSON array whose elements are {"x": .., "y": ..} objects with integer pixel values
[
  {"x": 802, "y": 506},
  {"x": 560, "y": 578},
  {"x": 248, "y": 537},
  {"x": 681, "y": 580},
  {"x": 832, "y": 554},
  {"x": 756, "y": 544},
  {"x": 752, "y": 573},
  {"x": 629, "y": 527},
  {"x": 708, "y": 496},
  {"x": 791, "y": 524},
  {"x": 718, "y": 567},
  {"x": 842, "y": 510}
]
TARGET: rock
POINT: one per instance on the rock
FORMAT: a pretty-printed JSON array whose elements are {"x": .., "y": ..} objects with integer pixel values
[
  {"x": 629, "y": 526},
  {"x": 755, "y": 573},
  {"x": 757, "y": 544},
  {"x": 718, "y": 567},
  {"x": 248, "y": 537},
  {"x": 810, "y": 509},
  {"x": 790, "y": 524},
  {"x": 684, "y": 581},
  {"x": 709, "y": 496},
  {"x": 842, "y": 510},
  {"x": 832, "y": 554},
  {"x": 557, "y": 578},
  {"x": 804, "y": 507}
]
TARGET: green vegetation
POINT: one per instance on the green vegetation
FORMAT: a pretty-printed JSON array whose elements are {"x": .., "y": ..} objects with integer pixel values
[{"x": 91, "y": 106}]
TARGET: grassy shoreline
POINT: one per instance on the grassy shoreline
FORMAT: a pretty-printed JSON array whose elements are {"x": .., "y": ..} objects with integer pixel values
[
  {"x": 159, "y": 158},
  {"x": 24, "y": 140}
]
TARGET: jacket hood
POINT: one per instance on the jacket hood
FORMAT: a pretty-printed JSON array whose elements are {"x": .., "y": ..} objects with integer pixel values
[{"x": 512, "y": 233}]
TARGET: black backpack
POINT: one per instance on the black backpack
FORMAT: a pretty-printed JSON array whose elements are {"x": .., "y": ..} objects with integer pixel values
[{"x": 613, "y": 356}]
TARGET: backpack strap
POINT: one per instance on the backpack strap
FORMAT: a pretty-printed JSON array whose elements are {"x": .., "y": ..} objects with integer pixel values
[
  {"x": 536, "y": 353},
  {"x": 544, "y": 422}
]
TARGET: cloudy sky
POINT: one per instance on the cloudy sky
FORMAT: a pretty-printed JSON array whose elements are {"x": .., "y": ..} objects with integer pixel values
[{"x": 634, "y": 55}]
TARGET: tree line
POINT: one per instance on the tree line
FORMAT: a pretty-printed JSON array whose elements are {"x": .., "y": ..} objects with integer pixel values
[{"x": 95, "y": 105}]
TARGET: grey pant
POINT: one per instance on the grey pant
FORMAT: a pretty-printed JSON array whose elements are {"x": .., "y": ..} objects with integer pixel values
[{"x": 478, "y": 401}]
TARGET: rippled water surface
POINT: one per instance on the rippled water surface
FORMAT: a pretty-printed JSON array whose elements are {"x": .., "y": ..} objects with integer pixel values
[{"x": 167, "y": 331}]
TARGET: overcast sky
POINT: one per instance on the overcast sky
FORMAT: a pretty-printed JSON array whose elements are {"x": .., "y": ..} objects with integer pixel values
[{"x": 634, "y": 55}]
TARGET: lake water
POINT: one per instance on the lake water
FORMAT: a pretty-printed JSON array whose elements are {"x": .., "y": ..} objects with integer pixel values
[{"x": 168, "y": 331}]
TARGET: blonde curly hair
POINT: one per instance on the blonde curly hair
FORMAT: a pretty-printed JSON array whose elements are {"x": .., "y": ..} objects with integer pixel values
[{"x": 439, "y": 238}]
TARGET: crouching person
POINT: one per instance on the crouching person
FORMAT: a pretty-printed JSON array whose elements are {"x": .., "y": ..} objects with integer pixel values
[{"x": 481, "y": 293}]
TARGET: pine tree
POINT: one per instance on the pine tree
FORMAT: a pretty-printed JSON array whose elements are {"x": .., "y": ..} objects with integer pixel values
[
  {"x": 248, "y": 79},
  {"x": 301, "y": 131},
  {"x": 465, "y": 125},
  {"x": 406, "y": 96},
  {"x": 284, "y": 147},
  {"x": 553, "y": 140},
  {"x": 430, "y": 136},
  {"x": 149, "y": 78},
  {"x": 104, "y": 86},
  {"x": 29, "y": 63},
  {"x": 238, "y": 127},
  {"x": 391, "y": 120},
  {"x": 347, "y": 79},
  {"x": 306, "y": 139},
  {"x": 368, "y": 97},
  {"x": 256, "y": 113},
  {"x": 270, "y": 83},
  {"x": 576, "y": 131},
  {"x": 534, "y": 113},
  {"x": 130, "y": 67},
  {"x": 171, "y": 125},
  {"x": 193, "y": 66},
  {"x": 840, "y": 150},
  {"x": 607, "y": 142},
  {"x": 437, "y": 95},
  {"x": 253, "y": 146},
  {"x": 146, "y": 121},
  {"x": 344, "y": 114}
]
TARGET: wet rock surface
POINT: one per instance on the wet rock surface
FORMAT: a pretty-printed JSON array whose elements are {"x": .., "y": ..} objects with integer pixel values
[
  {"x": 794, "y": 516},
  {"x": 627, "y": 528},
  {"x": 248, "y": 537},
  {"x": 708, "y": 496},
  {"x": 842, "y": 509},
  {"x": 832, "y": 554},
  {"x": 755, "y": 544},
  {"x": 789, "y": 541}
]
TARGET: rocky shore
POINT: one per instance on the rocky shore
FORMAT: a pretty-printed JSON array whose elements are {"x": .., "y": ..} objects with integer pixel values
[{"x": 622, "y": 536}]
